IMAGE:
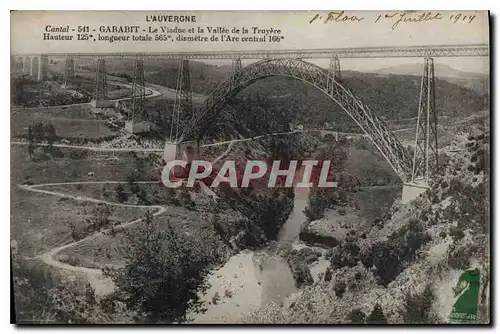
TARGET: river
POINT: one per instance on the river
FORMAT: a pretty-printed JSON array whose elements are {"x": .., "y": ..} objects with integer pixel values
[
  {"x": 291, "y": 229},
  {"x": 250, "y": 280}
]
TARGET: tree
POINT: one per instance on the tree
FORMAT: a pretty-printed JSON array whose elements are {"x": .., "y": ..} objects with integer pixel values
[
  {"x": 356, "y": 316},
  {"x": 131, "y": 181},
  {"x": 417, "y": 308},
  {"x": 18, "y": 91},
  {"x": 50, "y": 134},
  {"x": 319, "y": 201},
  {"x": 38, "y": 131},
  {"x": 121, "y": 195},
  {"x": 377, "y": 316},
  {"x": 101, "y": 216},
  {"x": 185, "y": 199},
  {"x": 163, "y": 272},
  {"x": 41, "y": 297},
  {"x": 143, "y": 196},
  {"x": 31, "y": 146}
]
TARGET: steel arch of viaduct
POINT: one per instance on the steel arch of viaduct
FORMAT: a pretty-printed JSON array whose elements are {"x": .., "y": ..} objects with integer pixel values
[{"x": 386, "y": 143}]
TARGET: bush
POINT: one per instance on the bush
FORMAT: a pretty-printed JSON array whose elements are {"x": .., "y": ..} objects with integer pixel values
[
  {"x": 377, "y": 316},
  {"x": 32, "y": 291},
  {"x": 215, "y": 298},
  {"x": 311, "y": 238},
  {"x": 456, "y": 233},
  {"x": 298, "y": 261},
  {"x": 456, "y": 186},
  {"x": 107, "y": 304},
  {"x": 339, "y": 289},
  {"x": 417, "y": 307},
  {"x": 163, "y": 273},
  {"x": 346, "y": 254},
  {"x": 75, "y": 233},
  {"x": 305, "y": 255},
  {"x": 301, "y": 274},
  {"x": 144, "y": 197},
  {"x": 266, "y": 213},
  {"x": 101, "y": 217},
  {"x": 328, "y": 274},
  {"x": 319, "y": 202},
  {"x": 390, "y": 257},
  {"x": 121, "y": 196},
  {"x": 329, "y": 253},
  {"x": 459, "y": 257},
  {"x": 184, "y": 199},
  {"x": 42, "y": 297},
  {"x": 356, "y": 316}
]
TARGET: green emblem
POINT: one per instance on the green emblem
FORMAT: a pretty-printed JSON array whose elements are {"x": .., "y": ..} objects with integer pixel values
[{"x": 466, "y": 295}]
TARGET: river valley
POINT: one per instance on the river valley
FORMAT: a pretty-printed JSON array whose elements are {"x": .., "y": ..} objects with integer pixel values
[{"x": 252, "y": 279}]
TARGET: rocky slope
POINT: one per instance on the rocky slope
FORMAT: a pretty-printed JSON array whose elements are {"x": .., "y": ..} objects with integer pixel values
[{"x": 403, "y": 269}]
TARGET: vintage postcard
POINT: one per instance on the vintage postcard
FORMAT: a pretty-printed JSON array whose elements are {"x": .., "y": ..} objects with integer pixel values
[{"x": 242, "y": 167}]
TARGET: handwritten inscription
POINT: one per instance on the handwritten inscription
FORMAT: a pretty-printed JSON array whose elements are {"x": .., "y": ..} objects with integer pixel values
[
  {"x": 340, "y": 16},
  {"x": 396, "y": 19},
  {"x": 406, "y": 17},
  {"x": 461, "y": 17}
]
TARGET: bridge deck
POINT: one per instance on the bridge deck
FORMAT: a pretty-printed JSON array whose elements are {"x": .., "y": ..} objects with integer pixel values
[{"x": 462, "y": 50}]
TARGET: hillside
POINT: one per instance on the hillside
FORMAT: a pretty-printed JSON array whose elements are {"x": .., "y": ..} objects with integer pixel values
[
  {"x": 478, "y": 82},
  {"x": 286, "y": 101},
  {"x": 392, "y": 92},
  {"x": 390, "y": 97},
  {"x": 276, "y": 103},
  {"x": 396, "y": 96},
  {"x": 440, "y": 70},
  {"x": 405, "y": 267},
  {"x": 204, "y": 77}
]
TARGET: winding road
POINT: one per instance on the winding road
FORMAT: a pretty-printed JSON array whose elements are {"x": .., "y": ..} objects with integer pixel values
[
  {"x": 139, "y": 149},
  {"x": 100, "y": 283}
]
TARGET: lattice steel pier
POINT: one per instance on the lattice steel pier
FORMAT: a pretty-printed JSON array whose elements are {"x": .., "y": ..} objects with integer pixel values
[{"x": 100, "y": 96}]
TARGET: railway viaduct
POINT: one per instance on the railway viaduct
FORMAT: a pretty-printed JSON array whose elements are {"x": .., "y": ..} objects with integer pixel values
[{"x": 415, "y": 169}]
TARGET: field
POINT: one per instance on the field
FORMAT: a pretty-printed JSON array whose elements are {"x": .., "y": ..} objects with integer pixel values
[
  {"x": 74, "y": 165},
  {"x": 37, "y": 216},
  {"x": 68, "y": 121},
  {"x": 60, "y": 195},
  {"x": 108, "y": 250},
  {"x": 40, "y": 222},
  {"x": 66, "y": 109}
]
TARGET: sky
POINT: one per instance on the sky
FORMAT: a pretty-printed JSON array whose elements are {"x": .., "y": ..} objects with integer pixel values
[
  {"x": 351, "y": 29},
  {"x": 473, "y": 64}
]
